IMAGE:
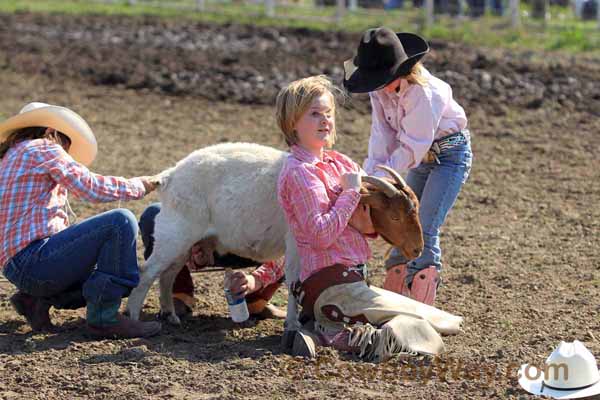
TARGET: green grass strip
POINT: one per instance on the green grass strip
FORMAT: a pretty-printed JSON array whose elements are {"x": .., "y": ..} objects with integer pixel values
[{"x": 563, "y": 32}]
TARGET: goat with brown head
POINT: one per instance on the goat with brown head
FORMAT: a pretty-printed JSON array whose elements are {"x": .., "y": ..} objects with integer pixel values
[{"x": 394, "y": 212}]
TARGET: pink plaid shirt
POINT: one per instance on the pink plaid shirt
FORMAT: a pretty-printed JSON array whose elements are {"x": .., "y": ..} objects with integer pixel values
[
  {"x": 318, "y": 210},
  {"x": 270, "y": 272},
  {"x": 35, "y": 176}
]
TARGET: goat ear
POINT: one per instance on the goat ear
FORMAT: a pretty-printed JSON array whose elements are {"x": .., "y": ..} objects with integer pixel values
[{"x": 375, "y": 199}]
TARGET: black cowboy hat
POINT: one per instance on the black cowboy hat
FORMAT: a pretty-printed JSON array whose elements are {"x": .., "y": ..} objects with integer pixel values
[{"x": 382, "y": 57}]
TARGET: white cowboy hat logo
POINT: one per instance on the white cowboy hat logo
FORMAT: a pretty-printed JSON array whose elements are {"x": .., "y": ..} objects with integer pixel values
[
  {"x": 570, "y": 372},
  {"x": 83, "y": 142}
]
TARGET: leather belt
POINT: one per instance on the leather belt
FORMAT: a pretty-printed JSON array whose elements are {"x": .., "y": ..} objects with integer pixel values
[
  {"x": 309, "y": 291},
  {"x": 447, "y": 142}
]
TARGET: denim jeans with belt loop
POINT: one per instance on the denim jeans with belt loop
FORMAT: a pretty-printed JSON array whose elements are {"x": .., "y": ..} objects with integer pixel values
[
  {"x": 437, "y": 185},
  {"x": 93, "y": 261}
]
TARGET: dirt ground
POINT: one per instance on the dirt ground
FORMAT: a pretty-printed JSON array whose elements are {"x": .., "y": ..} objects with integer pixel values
[{"x": 521, "y": 262}]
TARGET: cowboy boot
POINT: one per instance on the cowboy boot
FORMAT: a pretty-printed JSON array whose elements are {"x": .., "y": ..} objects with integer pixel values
[
  {"x": 424, "y": 285},
  {"x": 339, "y": 340},
  {"x": 104, "y": 321},
  {"x": 34, "y": 309},
  {"x": 307, "y": 341},
  {"x": 395, "y": 280}
]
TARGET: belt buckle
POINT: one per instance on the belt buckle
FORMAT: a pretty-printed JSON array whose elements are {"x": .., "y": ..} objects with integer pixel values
[
  {"x": 364, "y": 271},
  {"x": 431, "y": 156},
  {"x": 436, "y": 152},
  {"x": 361, "y": 269},
  {"x": 365, "y": 274}
]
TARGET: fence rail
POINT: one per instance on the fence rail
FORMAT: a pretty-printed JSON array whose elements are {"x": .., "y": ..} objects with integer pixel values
[{"x": 534, "y": 13}]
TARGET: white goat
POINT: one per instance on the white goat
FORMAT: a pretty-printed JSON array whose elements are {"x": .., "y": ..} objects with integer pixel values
[{"x": 227, "y": 192}]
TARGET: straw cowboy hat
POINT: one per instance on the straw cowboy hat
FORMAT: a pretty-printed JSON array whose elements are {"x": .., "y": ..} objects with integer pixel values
[
  {"x": 382, "y": 57},
  {"x": 83, "y": 142},
  {"x": 570, "y": 372}
]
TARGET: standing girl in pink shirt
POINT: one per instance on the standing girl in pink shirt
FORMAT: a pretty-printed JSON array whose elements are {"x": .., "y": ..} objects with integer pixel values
[
  {"x": 417, "y": 126},
  {"x": 318, "y": 191}
]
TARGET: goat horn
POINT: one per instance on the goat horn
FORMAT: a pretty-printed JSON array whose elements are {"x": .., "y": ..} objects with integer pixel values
[
  {"x": 399, "y": 180},
  {"x": 385, "y": 186}
]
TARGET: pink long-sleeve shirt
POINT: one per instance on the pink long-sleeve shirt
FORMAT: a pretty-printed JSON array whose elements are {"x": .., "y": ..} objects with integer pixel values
[
  {"x": 318, "y": 210},
  {"x": 35, "y": 176},
  {"x": 405, "y": 123},
  {"x": 270, "y": 272}
]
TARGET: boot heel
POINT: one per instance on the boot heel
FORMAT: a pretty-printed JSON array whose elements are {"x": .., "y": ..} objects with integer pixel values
[
  {"x": 395, "y": 280},
  {"x": 424, "y": 285}
]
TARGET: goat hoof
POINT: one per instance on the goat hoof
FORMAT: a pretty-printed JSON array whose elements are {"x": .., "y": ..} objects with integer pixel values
[
  {"x": 287, "y": 341},
  {"x": 171, "y": 318}
]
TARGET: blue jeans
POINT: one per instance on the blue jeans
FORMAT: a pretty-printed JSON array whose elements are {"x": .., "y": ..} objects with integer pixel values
[
  {"x": 437, "y": 186},
  {"x": 392, "y": 4},
  {"x": 95, "y": 258}
]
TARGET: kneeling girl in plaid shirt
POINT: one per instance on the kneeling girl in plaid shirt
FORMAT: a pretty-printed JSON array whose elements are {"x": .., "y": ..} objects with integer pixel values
[{"x": 44, "y": 153}]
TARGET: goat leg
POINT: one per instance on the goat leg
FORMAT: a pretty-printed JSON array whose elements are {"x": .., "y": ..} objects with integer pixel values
[
  {"x": 167, "y": 307},
  {"x": 291, "y": 325},
  {"x": 139, "y": 293},
  {"x": 292, "y": 274}
]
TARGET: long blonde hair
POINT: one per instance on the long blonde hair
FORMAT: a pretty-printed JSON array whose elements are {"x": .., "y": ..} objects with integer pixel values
[
  {"x": 294, "y": 99},
  {"x": 415, "y": 76}
]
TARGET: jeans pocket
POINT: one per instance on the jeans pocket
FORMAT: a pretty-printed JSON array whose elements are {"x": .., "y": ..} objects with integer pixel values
[
  {"x": 19, "y": 272},
  {"x": 19, "y": 277},
  {"x": 14, "y": 270},
  {"x": 458, "y": 156}
]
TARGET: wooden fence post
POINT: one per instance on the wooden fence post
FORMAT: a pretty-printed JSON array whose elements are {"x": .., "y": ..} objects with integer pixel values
[
  {"x": 429, "y": 13},
  {"x": 515, "y": 13},
  {"x": 340, "y": 11},
  {"x": 539, "y": 9},
  {"x": 201, "y": 5},
  {"x": 462, "y": 6},
  {"x": 270, "y": 8}
]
